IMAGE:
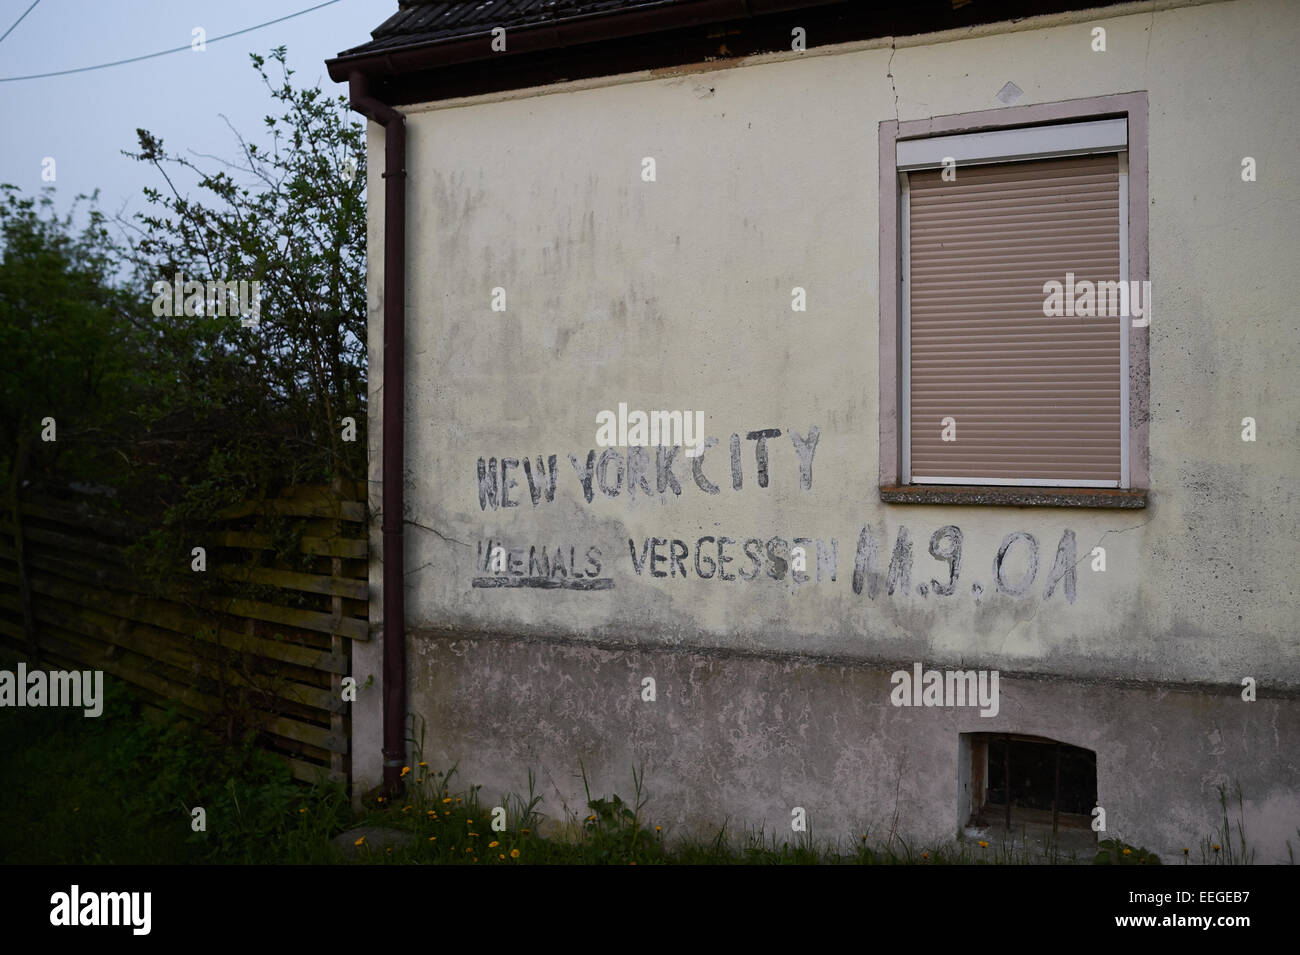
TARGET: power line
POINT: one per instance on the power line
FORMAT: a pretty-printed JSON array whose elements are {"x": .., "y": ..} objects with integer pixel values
[
  {"x": 150, "y": 56},
  {"x": 20, "y": 19}
]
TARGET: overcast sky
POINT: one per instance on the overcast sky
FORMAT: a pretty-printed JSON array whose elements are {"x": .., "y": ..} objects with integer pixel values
[{"x": 84, "y": 120}]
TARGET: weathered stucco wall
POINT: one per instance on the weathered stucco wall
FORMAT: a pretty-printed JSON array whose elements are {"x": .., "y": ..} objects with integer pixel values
[{"x": 676, "y": 294}]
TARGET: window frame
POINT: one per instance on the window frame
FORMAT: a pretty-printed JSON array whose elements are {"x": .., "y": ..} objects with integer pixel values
[{"x": 1015, "y": 126}]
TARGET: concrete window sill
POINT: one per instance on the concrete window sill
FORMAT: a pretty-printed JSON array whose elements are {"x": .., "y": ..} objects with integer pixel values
[{"x": 1013, "y": 496}]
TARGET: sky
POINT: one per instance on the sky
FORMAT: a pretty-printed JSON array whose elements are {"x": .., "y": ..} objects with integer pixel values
[{"x": 83, "y": 121}]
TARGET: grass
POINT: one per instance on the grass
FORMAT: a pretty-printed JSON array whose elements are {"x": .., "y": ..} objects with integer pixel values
[{"x": 120, "y": 789}]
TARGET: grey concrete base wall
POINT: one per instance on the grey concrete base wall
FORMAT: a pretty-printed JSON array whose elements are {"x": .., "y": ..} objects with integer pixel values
[{"x": 745, "y": 739}]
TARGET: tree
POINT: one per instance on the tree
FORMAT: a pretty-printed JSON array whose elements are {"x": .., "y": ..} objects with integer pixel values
[{"x": 289, "y": 215}]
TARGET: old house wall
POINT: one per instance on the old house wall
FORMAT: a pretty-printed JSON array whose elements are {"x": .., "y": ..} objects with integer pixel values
[{"x": 676, "y": 294}]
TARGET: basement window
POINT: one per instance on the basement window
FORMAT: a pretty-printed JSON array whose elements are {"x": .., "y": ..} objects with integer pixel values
[{"x": 1028, "y": 782}]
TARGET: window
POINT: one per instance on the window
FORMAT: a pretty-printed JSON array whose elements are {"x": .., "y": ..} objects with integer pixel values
[
  {"x": 1015, "y": 305},
  {"x": 1028, "y": 783}
]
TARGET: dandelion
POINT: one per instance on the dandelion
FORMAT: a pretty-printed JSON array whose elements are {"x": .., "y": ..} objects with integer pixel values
[
  {"x": 302, "y": 810},
  {"x": 925, "y": 855},
  {"x": 433, "y": 838},
  {"x": 469, "y": 848},
  {"x": 501, "y": 855},
  {"x": 447, "y": 813},
  {"x": 475, "y": 834},
  {"x": 659, "y": 828},
  {"x": 1128, "y": 852},
  {"x": 633, "y": 862},
  {"x": 514, "y": 853},
  {"x": 1185, "y": 850},
  {"x": 458, "y": 799},
  {"x": 425, "y": 765},
  {"x": 432, "y": 812},
  {"x": 591, "y": 818},
  {"x": 470, "y": 821},
  {"x": 389, "y": 849},
  {"x": 864, "y": 837},
  {"x": 476, "y": 858},
  {"x": 447, "y": 800},
  {"x": 381, "y": 799},
  {"x": 983, "y": 844},
  {"x": 1216, "y": 847},
  {"x": 493, "y": 844},
  {"x": 404, "y": 808},
  {"x": 405, "y": 770},
  {"x": 525, "y": 831},
  {"x": 360, "y": 841}
]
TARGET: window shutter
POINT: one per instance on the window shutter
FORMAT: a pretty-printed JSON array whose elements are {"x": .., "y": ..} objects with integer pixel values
[{"x": 1036, "y": 400}]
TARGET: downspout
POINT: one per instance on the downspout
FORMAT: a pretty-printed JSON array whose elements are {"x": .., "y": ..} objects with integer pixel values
[{"x": 394, "y": 676}]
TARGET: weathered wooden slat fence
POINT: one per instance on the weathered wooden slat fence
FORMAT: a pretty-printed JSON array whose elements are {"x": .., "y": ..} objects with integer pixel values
[{"x": 266, "y": 647}]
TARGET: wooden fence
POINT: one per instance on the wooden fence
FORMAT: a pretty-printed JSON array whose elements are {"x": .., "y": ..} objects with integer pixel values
[{"x": 263, "y": 642}]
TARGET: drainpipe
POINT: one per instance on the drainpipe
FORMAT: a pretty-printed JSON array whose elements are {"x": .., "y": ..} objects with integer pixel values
[{"x": 394, "y": 124}]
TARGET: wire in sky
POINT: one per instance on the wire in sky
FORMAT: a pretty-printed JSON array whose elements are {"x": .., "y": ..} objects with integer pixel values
[
  {"x": 20, "y": 19},
  {"x": 150, "y": 56}
]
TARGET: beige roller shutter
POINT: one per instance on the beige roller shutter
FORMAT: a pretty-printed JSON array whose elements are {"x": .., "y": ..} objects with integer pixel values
[{"x": 1036, "y": 400}]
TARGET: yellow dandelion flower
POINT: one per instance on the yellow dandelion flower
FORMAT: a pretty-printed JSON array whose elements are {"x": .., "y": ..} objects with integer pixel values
[
  {"x": 925, "y": 855},
  {"x": 1185, "y": 850},
  {"x": 300, "y": 810},
  {"x": 432, "y": 812},
  {"x": 458, "y": 799},
  {"x": 448, "y": 813},
  {"x": 525, "y": 831},
  {"x": 405, "y": 770},
  {"x": 447, "y": 800},
  {"x": 389, "y": 849},
  {"x": 475, "y": 834},
  {"x": 514, "y": 853},
  {"x": 426, "y": 765},
  {"x": 659, "y": 828},
  {"x": 469, "y": 848},
  {"x": 1128, "y": 852},
  {"x": 501, "y": 856},
  {"x": 404, "y": 808},
  {"x": 470, "y": 821},
  {"x": 381, "y": 799},
  {"x": 633, "y": 862},
  {"x": 359, "y": 841},
  {"x": 476, "y": 858},
  {"x": 1216, "y": 847},
  {"x": 433, "y": 838},
  {"x": 493, "y": 844},
  {"x": 591, "y": 818},
  {"x": 983, "y": 844}
]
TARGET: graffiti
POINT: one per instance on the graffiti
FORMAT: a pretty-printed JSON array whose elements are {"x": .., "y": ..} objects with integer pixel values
[
  {"x": 661, "y": 470},
  {"x": 544, "y": 568},
  {"x": 752, "y": 557},
  {"x": 1014, "y": 569}
]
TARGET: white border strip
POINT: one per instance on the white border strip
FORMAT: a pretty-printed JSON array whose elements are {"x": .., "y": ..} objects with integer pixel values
[{"x": 1004, "y": 145}]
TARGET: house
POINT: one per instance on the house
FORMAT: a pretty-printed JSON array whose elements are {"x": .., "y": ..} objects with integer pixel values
[{"x": 987, "y": 310}]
